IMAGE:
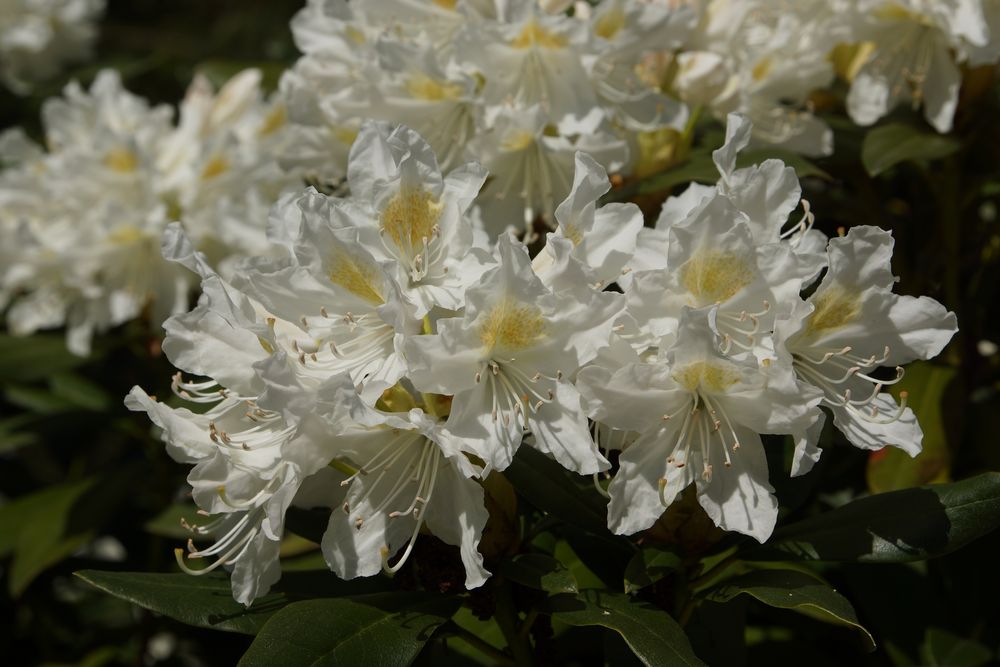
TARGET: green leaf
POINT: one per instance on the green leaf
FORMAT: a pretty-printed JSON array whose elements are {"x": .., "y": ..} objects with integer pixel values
[
  {"x": 944, "y": 649},
  {"x": 35, "y": 357},
  {"x": 80, "y": 392},
  {"x": 553, "y": 489},
  {"x": 888, "y": 145},
  {"x": 699, "y": 168},
  {"x": 384, "y": 629},
  {"x": 891, "y": 469},
  {"x": 791, "y": 589},
  {"x": 541, "y": 572},
  {"x": 803, "y": 166},
  {"x": 37, "y": 400},
  {"x": 648, "y": 566},
  {"x": 894, "y": 527},
  {"x": 37, "y": 530},
  {"x": 207, "y": 601},
  {"x": 654, "y": 637}
]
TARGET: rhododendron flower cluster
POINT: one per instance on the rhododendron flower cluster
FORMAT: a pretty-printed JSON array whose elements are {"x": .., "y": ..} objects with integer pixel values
[
  {"x": 38, "y": 37},
  {"x": 517, "y": 86},
  {"x": 392, "y": 356},
  {"x": 80, "y": 222}
]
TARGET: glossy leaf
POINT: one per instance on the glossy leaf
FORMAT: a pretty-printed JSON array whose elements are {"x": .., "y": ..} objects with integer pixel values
[
  {"x": 944, "y": 649},
  {"x": 648, "y": 566},
  {"x": 654, "y": 637},
  {"x": 386, "y": 629},
  {"x": 791, "y": 589},
  {"x": 894, "y": 527},
  {"x": 888, "y": 145},
  {"x": 540, "y": 572},
  {"x": 34, "y": 528},
  {"x": 553, "y": 489},
  {"x": 207, "y": 601},
  {"x": 803, "y": 166},
  {"x": 35, "y": 357}
]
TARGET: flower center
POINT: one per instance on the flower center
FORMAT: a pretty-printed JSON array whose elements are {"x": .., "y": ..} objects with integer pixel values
[
  {"x": 835, "y": 307},
  {"x": 356, "y": 276},
  {"x": 713, "y": 277},
  {"x": 511, "y": 326},
  {"x": 534, "y": 35}
]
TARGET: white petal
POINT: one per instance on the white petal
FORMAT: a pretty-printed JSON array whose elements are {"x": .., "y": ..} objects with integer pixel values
[{"x": 740, "y": 498}]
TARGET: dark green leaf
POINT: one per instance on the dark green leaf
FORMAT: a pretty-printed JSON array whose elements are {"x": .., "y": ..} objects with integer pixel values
[
  {"x": 648, "y": 566},
  {"x": 651, "y": 633},
  {"x": 893, "y": 527},
  {"x": 791, "y": 589},
  {"x": 943, "y": 649},
  {"x": 35, "y": 527},
  {"x": 207, "y": 601},
  {"x": 37, "y": 400},
  {"x": 699, "y": 168},
  {"x": 384, "y": 629},
  {"x": 35, "y": 357},
  {"x": 540, "y": 572},
  {"x": 803, "y": 166},
  {"x": 81, "y": 393},
  {"x": 888, "y": 145},
  {"x": 553, "y": 489}
]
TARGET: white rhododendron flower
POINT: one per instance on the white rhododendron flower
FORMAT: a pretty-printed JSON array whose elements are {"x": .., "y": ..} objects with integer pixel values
[
  {"x": 698, "y": 414},
  {"x": 852, "y": 325},
  {"x": 507, "y": 360},
  {"x": 915, "y": 48},
  {"x": 385, "y": 340},
  {"x": 88, "y": 258},
  {"x": 411, "y": 472},
  {"x": 38, "y": 38},
  {"x": 517, "y": 86}
]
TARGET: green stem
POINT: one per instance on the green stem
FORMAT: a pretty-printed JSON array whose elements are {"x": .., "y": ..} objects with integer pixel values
[
  {"x": 506, "y": 618},
  {"x": 480, "y": 645},
  {"x": 713, "y": 572},
  {"x": 529, "y": 620}
]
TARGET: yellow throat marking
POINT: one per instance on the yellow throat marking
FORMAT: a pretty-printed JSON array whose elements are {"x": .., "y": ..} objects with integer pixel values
[
  {"x": 705, "y": 375},
  {"x": 714, "y": 277},
  {"x": 835, "y": 307},
  {"x": 410, "y": 216},
  {"x": 535, "y": 35},
  {"x": 356, "y": 276},
  {"x": 512, "y": 325}
]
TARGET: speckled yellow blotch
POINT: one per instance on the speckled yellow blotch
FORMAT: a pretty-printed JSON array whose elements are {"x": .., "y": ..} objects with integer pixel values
[
  {"x": 517, "y": 141},
  {"x": 121, "y": 160},
  {"x": 357, "y": 277},
  {"x": 897, "y": 12},
  {"x": 535, "y": 35},
  {"x": 423, "y": 87},
  {"x": 127, "y": 234},
  {"x": 762, "y": 69},
  {"x": 217, "y": 166},
  {"x": 608, "y": 25},
  {"x": 835, "y": 307},
  {"x": 274, "y": 120},
  {"x": 705, "y": 375},
  {"x": 410, "y": 216},
  {"x": 714, "y": 277},
  {"x": 512, "y": 325},
  {"x": 572, "y": 232}
]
